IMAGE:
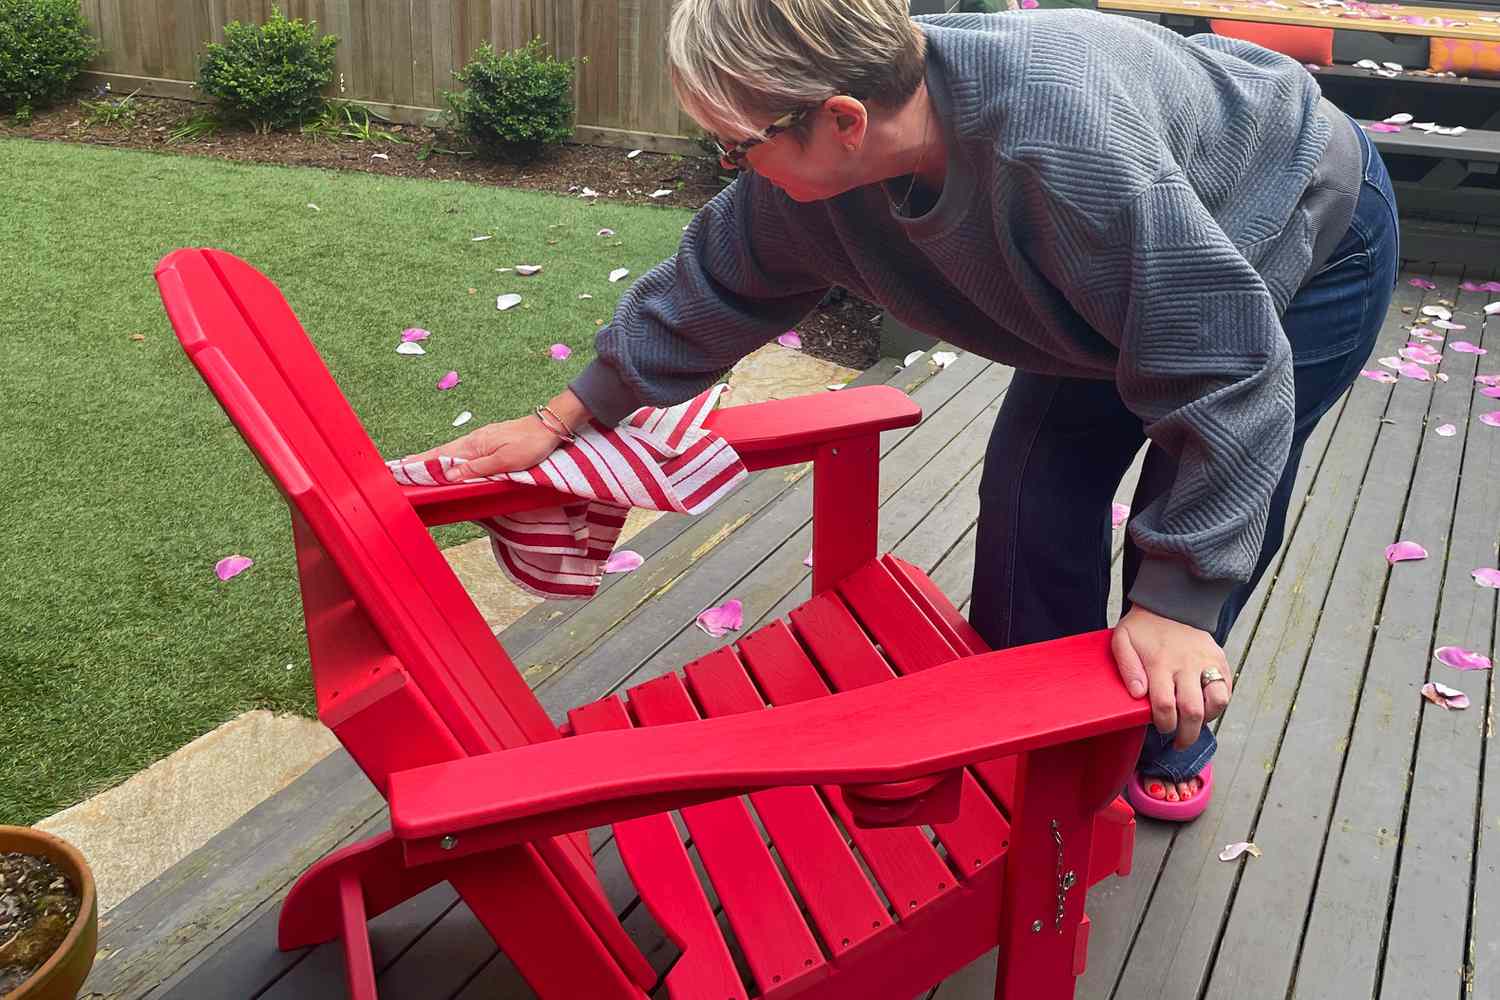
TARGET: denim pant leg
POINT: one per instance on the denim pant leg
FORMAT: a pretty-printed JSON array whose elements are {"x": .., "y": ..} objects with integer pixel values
[{"x": 1056, "y": 455}]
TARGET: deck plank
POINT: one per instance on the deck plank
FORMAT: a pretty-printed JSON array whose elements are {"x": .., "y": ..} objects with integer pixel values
[
  {"x": 1363, "y": 839},
  {"x": 1177, "y": 943},
  {"x": 1116, "y": 906},
  {"x": 1429, "y": 936},
  {"x": 1259, "y": 946}
]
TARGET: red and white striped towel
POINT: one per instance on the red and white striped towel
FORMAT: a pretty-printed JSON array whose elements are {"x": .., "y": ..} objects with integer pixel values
[{"x": 660, "y": 459}]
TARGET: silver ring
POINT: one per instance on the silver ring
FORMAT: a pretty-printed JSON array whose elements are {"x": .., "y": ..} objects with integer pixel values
[{"x": 1210, "y": 676}]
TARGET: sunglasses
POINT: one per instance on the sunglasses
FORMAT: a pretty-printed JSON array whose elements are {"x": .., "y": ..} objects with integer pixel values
[{"x": 734, "y": 155}]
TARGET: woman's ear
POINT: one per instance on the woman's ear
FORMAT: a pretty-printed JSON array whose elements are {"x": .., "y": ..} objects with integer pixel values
[{"x": 851, "y": 119}]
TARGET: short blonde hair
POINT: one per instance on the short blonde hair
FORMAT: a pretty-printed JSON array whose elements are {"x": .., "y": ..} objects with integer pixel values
[{"x": 735, "y": 60}]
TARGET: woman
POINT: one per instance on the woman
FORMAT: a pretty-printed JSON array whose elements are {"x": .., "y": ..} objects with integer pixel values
[{"x": 1172, "y": 240}]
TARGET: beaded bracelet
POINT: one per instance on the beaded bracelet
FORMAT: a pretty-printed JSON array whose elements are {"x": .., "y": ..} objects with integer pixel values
[{"x": 564, "y": 433}]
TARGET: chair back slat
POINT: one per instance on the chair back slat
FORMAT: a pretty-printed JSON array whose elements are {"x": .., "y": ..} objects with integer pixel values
[{"x": 253, "y": 353}]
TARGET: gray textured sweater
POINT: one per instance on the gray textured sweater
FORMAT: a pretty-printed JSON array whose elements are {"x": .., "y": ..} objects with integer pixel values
[{"x": 1121, "y": 203}]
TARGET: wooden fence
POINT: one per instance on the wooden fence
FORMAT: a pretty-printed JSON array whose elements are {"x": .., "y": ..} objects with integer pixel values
[{"x": 398, "y": 56}]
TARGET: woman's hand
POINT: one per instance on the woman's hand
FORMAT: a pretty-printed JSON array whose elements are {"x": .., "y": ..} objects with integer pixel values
[
  {"x": 508, "y": 446},
  {"x": 1166, "y": 659}
]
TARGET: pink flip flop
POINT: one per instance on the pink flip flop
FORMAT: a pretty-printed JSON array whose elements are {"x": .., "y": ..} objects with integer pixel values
[{"x": 1176, "y": 812}]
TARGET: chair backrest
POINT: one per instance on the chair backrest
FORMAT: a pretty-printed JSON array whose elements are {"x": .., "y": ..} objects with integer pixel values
[
  {"x": 402, "y": 606},
  {"x": 407, "y": 671}
]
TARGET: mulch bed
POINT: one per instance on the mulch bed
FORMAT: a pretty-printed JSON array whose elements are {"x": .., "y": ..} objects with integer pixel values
[{"x": 845, "y": 330}]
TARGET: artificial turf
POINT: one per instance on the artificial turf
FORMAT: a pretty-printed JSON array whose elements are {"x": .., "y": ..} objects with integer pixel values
[{"x": 124, "y": 481}]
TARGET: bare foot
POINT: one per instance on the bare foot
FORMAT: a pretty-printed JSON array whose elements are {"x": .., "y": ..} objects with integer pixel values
[{"x": 1161, "y": 788}]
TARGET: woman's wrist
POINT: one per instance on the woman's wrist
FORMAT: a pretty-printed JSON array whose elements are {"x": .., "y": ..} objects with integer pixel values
[{"x": 569, "y": 409}]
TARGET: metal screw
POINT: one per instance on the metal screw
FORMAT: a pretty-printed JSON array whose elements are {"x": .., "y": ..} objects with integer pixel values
[
  {"x": 448, "y": 843},
  {"x": 1036, "y": 927}
]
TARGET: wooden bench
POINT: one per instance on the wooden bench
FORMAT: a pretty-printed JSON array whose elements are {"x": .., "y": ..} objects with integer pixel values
[{"x": 1472, "y": 23}]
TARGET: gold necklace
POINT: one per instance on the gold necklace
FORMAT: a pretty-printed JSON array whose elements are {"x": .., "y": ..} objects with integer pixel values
[{"x": 916, "y": 172}]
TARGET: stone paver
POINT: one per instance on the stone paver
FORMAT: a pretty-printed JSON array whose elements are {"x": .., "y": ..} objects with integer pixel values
[{"x": 140, "y": 828}]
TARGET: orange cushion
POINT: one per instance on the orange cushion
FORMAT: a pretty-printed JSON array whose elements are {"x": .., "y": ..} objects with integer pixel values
[
  {"x": 1464, "y": 57},
  {"x": 1306, "y": 45}
]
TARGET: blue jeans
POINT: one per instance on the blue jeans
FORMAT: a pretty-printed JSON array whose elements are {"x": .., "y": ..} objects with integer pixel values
[{"x": 1060, "y": 447}]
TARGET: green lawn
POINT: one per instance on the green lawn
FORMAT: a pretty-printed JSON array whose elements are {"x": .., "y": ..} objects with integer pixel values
[{"x": 124, "y": 480}]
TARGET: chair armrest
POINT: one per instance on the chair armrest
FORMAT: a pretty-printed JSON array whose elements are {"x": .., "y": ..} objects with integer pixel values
[
  {"x": 964, "y": 712},
  {"x": 779, "y": 432}
]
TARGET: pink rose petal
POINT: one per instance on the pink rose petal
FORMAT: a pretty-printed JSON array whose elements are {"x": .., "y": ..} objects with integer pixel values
[
  {"x": 1446, "y": 431},
  {"x": 1375, "y": 375},
  {"x": 1404, "y": 551},
  {"x": 448, "y": 381},
  {"x": 1386, "y": 127},
  {"x": 1444, "y": 696},
  {"x": 1492, "y": 286},
  {"x": 719, "y": 621},
  {"x": 1487, "y": 577},
  {"x": 1030, "y": 4},
  {"x": 623, "y": 561},
  {"x": 1492, "y": 418},
  {"x": 808, "y": 560},
  {"x": 1119, "y": 513},
  {"x": 1415, "y": 371},
  {"x": 1490, "y": 380},
  {"x": 1464, "y": 347},
  {"x": 1461, "y": 659},
  {"x": 414, "y": 334},
  {"x": 1471, "y": 286},
  {"x": 560, "y": 352},
  {"x": 1423, "y": 333},
  {"x": 791, "y": 339},
  {"x": 232, "y": 566},
  {"x": 1420, "y": 282},
  {"x": 1233, "y": 851},
  {"x": 1421, "y": 354}
]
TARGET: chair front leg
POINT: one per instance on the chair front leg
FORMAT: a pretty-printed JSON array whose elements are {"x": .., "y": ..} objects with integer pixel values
[{"x": 1043, "y": 935}]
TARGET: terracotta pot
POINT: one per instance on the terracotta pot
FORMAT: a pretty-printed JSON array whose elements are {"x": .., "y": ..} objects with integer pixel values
[{"x": 62, "y": 976}]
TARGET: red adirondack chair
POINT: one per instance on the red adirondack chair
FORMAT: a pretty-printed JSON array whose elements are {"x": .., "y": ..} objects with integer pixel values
[{"x": 1012, "y": 759}]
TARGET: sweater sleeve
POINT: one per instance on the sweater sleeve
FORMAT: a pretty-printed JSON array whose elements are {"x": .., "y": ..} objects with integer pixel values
[
  {"x": 1205, "y": 363},
  {"x": 736, "y": 282}
]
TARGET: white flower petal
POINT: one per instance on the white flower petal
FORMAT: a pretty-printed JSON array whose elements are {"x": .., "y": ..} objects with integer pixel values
[
  {"x": 619, "y": 273},
  {"x": 462, "y": 418},
  {"x": 509, "y": 301},
  {"x": 409, "y": 347}
]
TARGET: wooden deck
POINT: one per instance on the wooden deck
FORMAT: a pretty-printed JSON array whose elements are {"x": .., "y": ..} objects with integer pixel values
[{"x": 1381, "y": 867}]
